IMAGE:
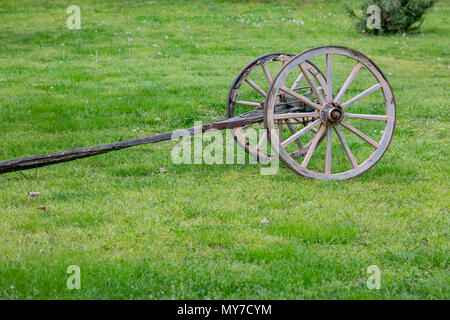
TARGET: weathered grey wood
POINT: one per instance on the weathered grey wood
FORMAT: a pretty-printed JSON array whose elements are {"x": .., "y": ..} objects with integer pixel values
[
  {"x": 366, "y": 138},
  {"x": 267, "y": 74},
  {"x": 292, "y": 130},
  {"x": 347, "y": 150},
  {"x": 348, "y": 82},
  {"x": 361, "y": 95},
  {"x": 312, "y": 84},
  {"x": 328, "y": 151},
  {"x": 313, "y": 146},
  {"x": 248, "y": 103},
  {"x": 291, "y": 115},
  {"x": 258, "y": 149},
  {"x": 255, "y": 86},
  {"x": 303, "y": 99},
  {"x": 70, "y": 155},
  {"x": 271, "y": 113},
  {"x": 296, "y": 135},
  {"x": 329, "y": 89}
]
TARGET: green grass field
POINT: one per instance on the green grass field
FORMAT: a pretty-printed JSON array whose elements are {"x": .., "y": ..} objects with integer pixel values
[{"x": 195, "y": 232}]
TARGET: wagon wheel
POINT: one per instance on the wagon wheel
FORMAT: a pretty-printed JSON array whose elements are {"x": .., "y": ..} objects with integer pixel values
[
  {"x": 335, "y": 111},
  {"x": 248, "y": 91}
]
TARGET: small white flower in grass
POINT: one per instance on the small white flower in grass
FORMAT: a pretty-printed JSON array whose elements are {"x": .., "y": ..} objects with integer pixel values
[
  {"x": 265, "y": 222},
  {"x": 162, "y": 170},
  {"x": 12, "y": 287},
  {"x": 34, "y": 194},
  {"x": 155, "y": 45},
  {"x": 41, "y": 251},
  {"x": 166, "y": 37},
  {"x": 302, "y": 22},
  {"x": 158, "y": 119},
  {"x": 129, "y": 39}
]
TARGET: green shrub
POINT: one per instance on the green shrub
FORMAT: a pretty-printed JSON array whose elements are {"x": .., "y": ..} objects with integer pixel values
[{"x": 395, "y": 15}]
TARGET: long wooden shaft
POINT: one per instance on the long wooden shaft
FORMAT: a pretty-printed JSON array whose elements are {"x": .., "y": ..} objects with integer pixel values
[{"x": 70, "y": 155}]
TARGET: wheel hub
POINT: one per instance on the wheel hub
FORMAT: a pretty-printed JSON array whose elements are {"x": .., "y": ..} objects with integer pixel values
[{"x": 331, "y": 114}]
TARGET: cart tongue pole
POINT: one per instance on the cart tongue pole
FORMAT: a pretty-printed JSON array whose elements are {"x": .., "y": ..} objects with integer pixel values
[{"x": 70, "y": 155}]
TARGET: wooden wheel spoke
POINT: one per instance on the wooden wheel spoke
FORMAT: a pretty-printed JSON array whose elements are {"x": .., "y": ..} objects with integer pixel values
[
  {"x": 248, "y": 103},
  {"x": 348, "y": 82},
  {"x": 299, "y": 97},
  {"x": 313, "y": 145},
  {"x": 328, "y": 152},
  {"x": 280, "y": 130},
  {"x": 346, "y": 148},
  {"x": 293, "y": 115},
  {"x": 256, "y": 87},
  {"x": 298, "y": 121},
  {"x": 312, "y": 84},
  {"x": 297, "y": 81},
  {"x": 267, "y": 73},
  {"x": 361, "y": 95},
  {"x": 365, "y": 116},
  {"x": 262, "y": 140},
  {"x": 366, "y": 138},
  {"x": 329, "y": 91},
  {"x": 299, "y": 133},
  {"x": 292, "y": 130},
  {"x": 315, "y": 106}
]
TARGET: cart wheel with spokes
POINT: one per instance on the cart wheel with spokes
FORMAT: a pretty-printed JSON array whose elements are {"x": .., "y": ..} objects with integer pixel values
[
  {"x": 363, "y": 99},
  {"x": 248, "y": 92}
]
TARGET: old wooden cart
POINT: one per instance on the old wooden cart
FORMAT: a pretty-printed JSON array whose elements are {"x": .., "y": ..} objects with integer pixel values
[{"x": 291, "y": 112}]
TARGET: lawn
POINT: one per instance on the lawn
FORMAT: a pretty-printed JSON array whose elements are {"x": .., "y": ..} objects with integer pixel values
[{"x": 137, "y": 68}]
